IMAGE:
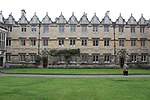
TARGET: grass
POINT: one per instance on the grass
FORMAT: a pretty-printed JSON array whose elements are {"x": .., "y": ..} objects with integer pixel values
[
  {"x": 74, "y": 71},
  {"x": 28, "y": 88}
]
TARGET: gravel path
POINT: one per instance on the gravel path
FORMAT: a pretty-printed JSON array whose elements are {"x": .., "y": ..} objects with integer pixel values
[{"x": 73, "y": 76}]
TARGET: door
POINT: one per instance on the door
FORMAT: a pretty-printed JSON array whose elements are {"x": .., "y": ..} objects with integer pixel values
[
  {"x": 1, "y": 61},
  {"x": 45, "y": 62},
  {"x": 121, "y": 62}
]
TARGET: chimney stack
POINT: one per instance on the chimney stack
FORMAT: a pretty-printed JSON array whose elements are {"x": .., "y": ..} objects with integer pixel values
[
  {"x": 107, "y": 13},
  {"x": 23, "y": 12},
  {"x": 1, "y": 17}
]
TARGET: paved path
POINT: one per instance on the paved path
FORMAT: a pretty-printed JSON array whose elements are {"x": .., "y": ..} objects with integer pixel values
[{"x": 73, "y": 76}]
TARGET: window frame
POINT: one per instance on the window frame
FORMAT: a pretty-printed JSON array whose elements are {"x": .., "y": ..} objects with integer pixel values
[
  {"x": 84, "y": 28},
  {"x": 72, "y": 28},
  {"x": 61, "y": 28},
  {"x": 23, "y": 29},
  {"x": 133, "y": 42},
  {"x": 106, "y": 29},
  {"x": 142, "y": 29},
  {"x": 121, "y": 42},
  {"x": 107, "y": 58},
  {"x": 95, "y": 28},
  {"x": 10, "y": 28},
  {"x": 73, "y": 59},
  {"x": 61, "y": 42},
  {"x": 8, "y": 57},
  {"x": 21, "y": 57},
  {"x": 143, "y": 57},
  {"x": 95, "y": 58},
  {"x": 84, "y": 42},
  {"x": 46, "y": 29},
  {"x": 84, "y": 58},
  {"x": 132, "y": 29},
  {"x": 45, "y": 41},
  {"x": 121, "y": 29},
  {"x": 72, "y": 42},
  {"x": 106, "y": 42},
  {"x": 33, "y": 29},
  {"x": 143, "y": 42},
  {"x": 133, "y": 57},
  {"x": 95, "y": 42},
  {"x": 8, "y": 41},
  {"x": 32, "y": 57},
  {"x": 61, "y": 59},
  {"x": 32, "y": 42}
]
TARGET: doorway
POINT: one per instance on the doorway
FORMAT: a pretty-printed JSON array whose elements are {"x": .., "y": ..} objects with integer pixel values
[
  {"x": 45, "y": 62},
  {"x": 1, "y": 61},
  {"x": 121, "y": 62}
]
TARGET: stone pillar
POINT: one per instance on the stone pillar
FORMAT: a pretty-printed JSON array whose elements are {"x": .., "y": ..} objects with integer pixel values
[
  {"x": 113, "y": 59},
  {"x": 138, "y": 58},
  {"x": 101, "y": 59},
  {"x": 77, "y": 59},
  {"x": 90, "y": 59}
]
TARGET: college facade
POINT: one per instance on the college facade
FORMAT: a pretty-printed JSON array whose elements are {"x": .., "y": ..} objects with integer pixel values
[
  {"x": 101, "y": 42},
  {"x": 3, "y": 34}
]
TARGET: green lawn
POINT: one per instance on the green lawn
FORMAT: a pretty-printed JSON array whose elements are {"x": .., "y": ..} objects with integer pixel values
[
  {"x": 28, "y": 88},
  {"x": 74, "y": 71}
]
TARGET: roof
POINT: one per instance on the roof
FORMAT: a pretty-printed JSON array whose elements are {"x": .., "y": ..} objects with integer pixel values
[{"x": 2, "y": 25}]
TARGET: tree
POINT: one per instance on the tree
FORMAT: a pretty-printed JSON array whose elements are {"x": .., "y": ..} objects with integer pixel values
[
  {"x": 67, "y": 53},
  {"x": 38, "y": 60}
]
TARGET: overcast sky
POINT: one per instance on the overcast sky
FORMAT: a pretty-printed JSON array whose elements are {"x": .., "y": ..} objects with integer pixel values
[{"x": 55, "y": 7}]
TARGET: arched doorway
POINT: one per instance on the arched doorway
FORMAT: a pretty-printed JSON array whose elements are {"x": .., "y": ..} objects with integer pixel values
[
  {"x": 122, "y": 56},
  {"x": 1, "y": 61},
  {"x": 121, "y": 61},
  {"x": 45, "y": 54},
  {"x": 45, "y": 62}
]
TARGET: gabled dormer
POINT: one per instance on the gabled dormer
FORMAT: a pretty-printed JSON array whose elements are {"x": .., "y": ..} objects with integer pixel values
[
  {"x": 84, "y": 19},
  {"x": 131, "y": 20},
  {"x": 34, "y": 19},
  {"x": 106, "y": 19},
  {"x": 61, "y": 19},
  {"x": 23, "y": 19},
  {"x": 73, "y": 19},
  {"x": 10, "y": 20},
  {"x": 46, "y": 19},
  {"x": 95, "y": 20},
  {"x": 2, "y": 25},
  {"x": 142, "y": 20},
  {"x": 120, "y": 20}
]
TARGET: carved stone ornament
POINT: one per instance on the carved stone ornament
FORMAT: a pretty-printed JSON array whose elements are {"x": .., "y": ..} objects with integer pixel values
[{"x": 44, "y": 53}]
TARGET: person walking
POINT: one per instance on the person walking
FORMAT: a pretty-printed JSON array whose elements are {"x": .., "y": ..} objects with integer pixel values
[
  {"x": 125, "y": 67},
  {"x": 6, "y": 65}
]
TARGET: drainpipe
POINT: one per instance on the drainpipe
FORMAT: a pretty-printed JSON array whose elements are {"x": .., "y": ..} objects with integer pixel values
[{"x": 114, "y": 25}]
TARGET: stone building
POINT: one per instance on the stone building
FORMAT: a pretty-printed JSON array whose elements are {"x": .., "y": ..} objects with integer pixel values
[
  {"x": 101, "y": 42},
  {"x": 3, "y": 34}
]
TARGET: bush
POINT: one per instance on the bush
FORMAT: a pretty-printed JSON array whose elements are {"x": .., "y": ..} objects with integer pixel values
[{"x": 38, "y": 60}]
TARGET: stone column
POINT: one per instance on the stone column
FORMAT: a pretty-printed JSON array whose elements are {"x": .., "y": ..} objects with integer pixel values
[
  {"x": 90, "y": 61},
  {"x": 138, "y": 58}
]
